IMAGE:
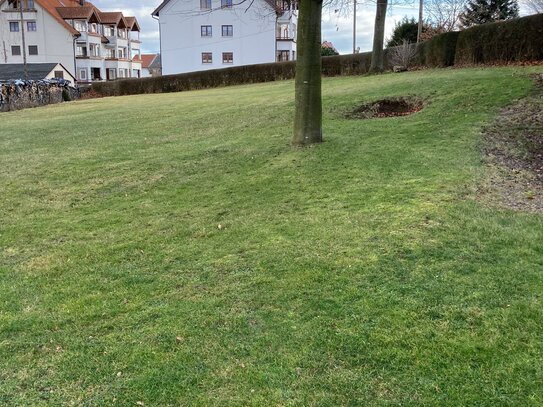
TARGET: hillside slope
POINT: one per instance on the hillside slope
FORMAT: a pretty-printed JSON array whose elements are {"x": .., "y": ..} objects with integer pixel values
[{"x": 175, "y": 250}]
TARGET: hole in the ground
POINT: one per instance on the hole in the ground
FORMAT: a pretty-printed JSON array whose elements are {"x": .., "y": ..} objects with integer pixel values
[{"x": 387, "y": 108}]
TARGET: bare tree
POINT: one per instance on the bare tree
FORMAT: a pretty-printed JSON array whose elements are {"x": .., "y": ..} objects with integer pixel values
[{"x": 444, "y": 15}]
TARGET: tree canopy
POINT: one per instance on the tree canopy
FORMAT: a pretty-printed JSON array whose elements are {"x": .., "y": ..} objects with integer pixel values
[
  {"x": 405, "y": 29},
  {"x": 488, "y": 11}
]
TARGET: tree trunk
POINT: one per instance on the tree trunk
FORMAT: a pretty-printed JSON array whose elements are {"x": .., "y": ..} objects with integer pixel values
[
  {"x": 308, "y": 103},
  {"x": 377, "y": 56}
]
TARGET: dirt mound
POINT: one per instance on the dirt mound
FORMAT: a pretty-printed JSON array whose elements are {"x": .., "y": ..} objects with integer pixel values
[{"x": 391, "y": 107}]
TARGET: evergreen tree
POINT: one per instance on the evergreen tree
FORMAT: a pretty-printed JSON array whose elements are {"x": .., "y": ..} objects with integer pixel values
[
  {"x": 406, "y": 29},
  {"x": 488, "y": 11}
]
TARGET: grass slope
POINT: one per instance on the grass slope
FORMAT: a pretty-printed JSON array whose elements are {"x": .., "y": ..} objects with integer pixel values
[{"x": 357, "y": 272}]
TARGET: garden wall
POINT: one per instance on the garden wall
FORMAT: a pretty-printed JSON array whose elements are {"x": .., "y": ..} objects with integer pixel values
[
  {"x": 516, "y": 40},
  {"x": 16, "y": 95}
]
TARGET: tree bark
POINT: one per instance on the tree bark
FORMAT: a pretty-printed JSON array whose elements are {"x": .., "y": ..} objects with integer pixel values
[
  {"x": 308, "y": 100},
  {"x": 377, "y": 56}
]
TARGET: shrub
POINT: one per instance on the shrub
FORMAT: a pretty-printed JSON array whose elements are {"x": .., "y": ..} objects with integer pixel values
[
  {"x": 440, "y": 50},
  {"x": 520, "y": 39},
  {"x": 402, "y": 55},
  {"x": 66, "y": 97},
  {"x": 514, "y": 40}
]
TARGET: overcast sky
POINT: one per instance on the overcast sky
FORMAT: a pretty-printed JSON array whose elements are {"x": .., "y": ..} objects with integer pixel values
[{"x": 338, "y": 30}]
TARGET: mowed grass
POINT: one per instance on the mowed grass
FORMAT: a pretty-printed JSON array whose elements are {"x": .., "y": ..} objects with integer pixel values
[{"x": 175, "y": 250}]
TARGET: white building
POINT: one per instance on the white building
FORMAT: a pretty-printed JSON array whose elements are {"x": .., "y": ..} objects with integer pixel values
[
  {"x": 91, "y": 44},
  {"x": 208, "y": 34}
]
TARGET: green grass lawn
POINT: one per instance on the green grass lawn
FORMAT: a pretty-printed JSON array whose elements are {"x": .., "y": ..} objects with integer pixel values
[{"x": 361, "y": 271}]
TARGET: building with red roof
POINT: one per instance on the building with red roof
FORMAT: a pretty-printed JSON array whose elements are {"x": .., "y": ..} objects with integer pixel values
[{"x": 91, "y": 44}]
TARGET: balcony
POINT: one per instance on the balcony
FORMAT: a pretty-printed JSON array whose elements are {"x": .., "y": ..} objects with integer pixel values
[
  {"x": 285, "y": 37},
  {"x": 285, "y": 32}
]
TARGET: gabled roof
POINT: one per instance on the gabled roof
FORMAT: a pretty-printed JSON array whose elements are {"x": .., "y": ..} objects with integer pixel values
[
  {"x": 111, "y": 17},
  {"x": 147, "y": 60},
  {"x": 328, "y": 44},
  {"x": 132, "y": 23},
  {"x": 156, "y": 12},
  {"x": 157, "y": 63},
  {"x": 69, "y": 13},
  {"x": 36, "y": 72}
]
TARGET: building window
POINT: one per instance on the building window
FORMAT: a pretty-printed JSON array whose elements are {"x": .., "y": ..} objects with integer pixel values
[
  {"x": 205, "y": 4},
  {"x": 31, "y": 26},
  {"x": 30, "y": 4},
  {"x": 32, "y": 50},
  {"x": 206, "y": 31},
  {"x": 15, "y": 50},
  {"x": 14, "y": 26},
  {"x": 227, "y": 57},
  {"x": 111, "y": 53},
  {"x": 283, "y": 56},
  {"x": 207, "y": 58},
  {"x": 94, "y": 50},
  {"x": 227, "y": 30},
  {"x": 226, "y": 3},
  {"x": 111, "y": 74},
  {"x": 59, "y": 74},
  {"x": 80, "y": 26},
  {"x": 83, "y": 74},
  {"x": 81, "y": 51}
]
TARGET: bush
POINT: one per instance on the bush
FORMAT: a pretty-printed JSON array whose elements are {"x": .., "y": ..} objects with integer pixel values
[
  {"x": 352, "y": 64},
  {"x": 439, "y": 50},
  {"x": 66, "y": 97},
  {"x": 514, "y": 40},
  {"x": 355, "y": 64},
  {"x": 402, "y": 55},
  {"x": 198, "y": 80},
  {"x": 520, "y": 39}
]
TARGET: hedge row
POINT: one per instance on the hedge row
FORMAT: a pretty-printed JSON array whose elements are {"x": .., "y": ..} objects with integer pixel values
[
  {"x": 520, "y": 39},
  {"x": 438, "y": 51},
  {"x": 515, "y": 40}
]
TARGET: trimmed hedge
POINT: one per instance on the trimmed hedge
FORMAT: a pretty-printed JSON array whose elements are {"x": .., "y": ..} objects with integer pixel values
[
  {"x": 351, "y": 64},
  {"x": 520, "y": 39},
  {"x": 198, "y": 80},
  {"x": 438, "y": 51}
]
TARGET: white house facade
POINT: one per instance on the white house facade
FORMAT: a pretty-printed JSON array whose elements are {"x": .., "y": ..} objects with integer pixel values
[
  {"x": 197, "y": 35},
  {"x": 91, "y": 44}
]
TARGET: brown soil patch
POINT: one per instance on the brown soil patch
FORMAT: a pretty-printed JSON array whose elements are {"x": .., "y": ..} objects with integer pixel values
[
  {"x": 387, "y": 108},
  {"x": 513, "y": 154}
]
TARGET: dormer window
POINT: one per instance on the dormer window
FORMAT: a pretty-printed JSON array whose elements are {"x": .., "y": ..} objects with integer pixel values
[
  {"x": 15, "y": 5},
  {"x": 80, "y": 26}
]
